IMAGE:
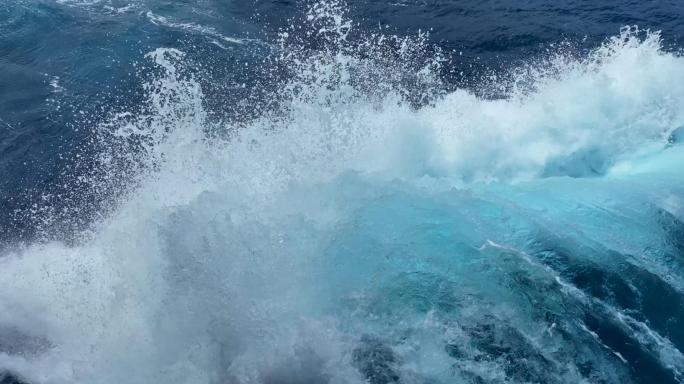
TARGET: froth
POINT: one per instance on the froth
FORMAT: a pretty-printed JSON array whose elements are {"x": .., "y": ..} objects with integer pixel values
[{"x": 206, "y": 269}]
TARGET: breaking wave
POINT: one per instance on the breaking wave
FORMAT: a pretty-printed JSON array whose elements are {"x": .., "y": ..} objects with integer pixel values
[{"x": 368, "y": 225}]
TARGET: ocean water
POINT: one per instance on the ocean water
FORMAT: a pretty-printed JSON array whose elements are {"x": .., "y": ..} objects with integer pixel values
[{"x": 313, "y": 192}]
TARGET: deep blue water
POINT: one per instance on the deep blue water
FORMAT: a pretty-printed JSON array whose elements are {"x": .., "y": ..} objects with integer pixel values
[{"x": 327, "y": 192}]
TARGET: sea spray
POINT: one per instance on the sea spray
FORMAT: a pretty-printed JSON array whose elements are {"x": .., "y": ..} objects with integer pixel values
[{"x": 372, "y": 227}]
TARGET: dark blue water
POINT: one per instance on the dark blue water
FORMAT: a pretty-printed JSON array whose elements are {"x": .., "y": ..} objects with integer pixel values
[{"x": 325, "y": 192}]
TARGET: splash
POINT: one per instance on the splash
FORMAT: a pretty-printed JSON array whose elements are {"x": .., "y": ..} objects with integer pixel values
[{"x": 372, "y": 227}]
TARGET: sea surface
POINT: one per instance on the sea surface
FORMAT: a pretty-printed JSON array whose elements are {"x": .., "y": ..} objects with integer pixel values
[{"x": 329, "y": 191}]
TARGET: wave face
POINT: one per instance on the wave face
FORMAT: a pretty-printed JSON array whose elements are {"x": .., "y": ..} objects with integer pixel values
[{"x": 368, "y": 225}]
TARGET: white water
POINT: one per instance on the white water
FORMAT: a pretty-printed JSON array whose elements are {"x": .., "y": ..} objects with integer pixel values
[{"x": 220, "y": 265}]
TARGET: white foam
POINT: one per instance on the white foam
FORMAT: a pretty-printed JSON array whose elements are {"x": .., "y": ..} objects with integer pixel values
[
  {"x": 192, "y": 27},
  {"x": 194, "y": 279}
]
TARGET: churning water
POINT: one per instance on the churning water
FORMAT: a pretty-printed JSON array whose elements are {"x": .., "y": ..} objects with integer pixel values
[{"x": 355, "y": 217}]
